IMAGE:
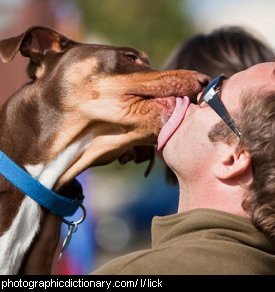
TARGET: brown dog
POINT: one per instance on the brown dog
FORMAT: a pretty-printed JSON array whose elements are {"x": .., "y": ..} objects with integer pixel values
[{"x": 86, "y": 105}]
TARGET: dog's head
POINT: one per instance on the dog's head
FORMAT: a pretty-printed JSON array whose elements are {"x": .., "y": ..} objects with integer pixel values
[{"x": 106, "y": 100}]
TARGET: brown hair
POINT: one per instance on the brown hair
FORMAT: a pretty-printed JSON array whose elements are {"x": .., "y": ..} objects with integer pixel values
[
  {"x": 256, "y": 121},
  {"x": 227, "y": 50}
]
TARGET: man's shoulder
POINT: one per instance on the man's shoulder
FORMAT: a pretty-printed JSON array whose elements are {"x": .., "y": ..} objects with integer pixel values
[
  {"x": 198, "y": 257},
  {"x": 167, "y": 260},
  {"x": 128, "y": 264}
]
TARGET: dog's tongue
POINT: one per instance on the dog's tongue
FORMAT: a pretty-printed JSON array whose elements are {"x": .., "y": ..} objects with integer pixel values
[{"x": 174, "y": 121}]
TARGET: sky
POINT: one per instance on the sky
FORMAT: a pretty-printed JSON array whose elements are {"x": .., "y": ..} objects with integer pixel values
[{"x": 255, "y": 15}]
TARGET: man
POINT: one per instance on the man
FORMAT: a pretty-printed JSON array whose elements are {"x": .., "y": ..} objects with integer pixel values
[{"x": 225, "y": 166}]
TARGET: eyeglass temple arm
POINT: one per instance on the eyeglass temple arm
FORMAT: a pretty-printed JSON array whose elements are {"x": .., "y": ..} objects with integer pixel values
[{"x": 219, "y": 108}]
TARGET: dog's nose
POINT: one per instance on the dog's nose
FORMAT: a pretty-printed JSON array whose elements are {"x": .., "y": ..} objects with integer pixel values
[{"x": 203, "y": 79}]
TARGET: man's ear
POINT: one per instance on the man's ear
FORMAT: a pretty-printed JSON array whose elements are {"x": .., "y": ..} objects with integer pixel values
[
  {"x": 233, "y": 162},
  {"x": 34, "y": 43}
]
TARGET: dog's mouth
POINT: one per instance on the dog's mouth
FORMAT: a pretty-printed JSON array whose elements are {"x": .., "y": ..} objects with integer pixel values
[
  {"x": 140, "y": 154},
  {"x": 166, "y": 91},
  {"x": 174, "y": 121},
  {"x": 172, "y": 113},
  {"x": 170, "y": 85}
]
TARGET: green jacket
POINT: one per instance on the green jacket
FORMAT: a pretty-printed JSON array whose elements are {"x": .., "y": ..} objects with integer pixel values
[{"x": 199, "y": 242}]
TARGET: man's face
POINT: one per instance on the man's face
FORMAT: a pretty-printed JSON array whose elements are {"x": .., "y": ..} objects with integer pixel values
[{"x": 189, "y": 152}]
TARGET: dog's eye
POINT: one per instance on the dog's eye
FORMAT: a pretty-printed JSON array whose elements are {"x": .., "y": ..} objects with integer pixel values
[
  {"x": 131, "y": 57},
  {"x": 136, "y": 58}
]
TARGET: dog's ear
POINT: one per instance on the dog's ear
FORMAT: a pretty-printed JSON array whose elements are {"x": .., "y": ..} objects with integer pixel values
[
  {"x": 9, "y": 47},
  {"x": 34, "y": 43}
]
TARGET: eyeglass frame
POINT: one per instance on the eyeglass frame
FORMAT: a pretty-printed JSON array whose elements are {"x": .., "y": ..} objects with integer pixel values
[{"x": 211, "y": 97}]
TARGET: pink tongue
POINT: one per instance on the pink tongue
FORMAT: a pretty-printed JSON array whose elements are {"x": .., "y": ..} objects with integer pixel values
[{"x": 174, "y": 121}]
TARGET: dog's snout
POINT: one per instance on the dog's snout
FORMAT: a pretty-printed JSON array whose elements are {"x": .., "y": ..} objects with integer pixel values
[{"x": 203, "y": 79}]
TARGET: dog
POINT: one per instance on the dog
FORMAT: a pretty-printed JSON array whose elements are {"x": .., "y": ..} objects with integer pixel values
[{"x": 85, "y": 105}]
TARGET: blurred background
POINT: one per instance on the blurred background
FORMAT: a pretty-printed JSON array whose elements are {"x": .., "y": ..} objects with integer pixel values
[{"x": 120, "y": 202}]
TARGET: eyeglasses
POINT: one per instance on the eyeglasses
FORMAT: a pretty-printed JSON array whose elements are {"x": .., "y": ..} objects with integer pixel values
[{"x": 210, "y": 96}]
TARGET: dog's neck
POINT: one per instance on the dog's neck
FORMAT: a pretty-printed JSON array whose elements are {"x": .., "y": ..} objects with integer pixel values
[{"x": 49, "y": 173}]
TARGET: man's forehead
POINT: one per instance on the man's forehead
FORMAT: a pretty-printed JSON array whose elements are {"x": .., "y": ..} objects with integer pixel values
[
  {"x": 262, "y": 79},
  {"x": 263, "y": 73},
  {"x": 258, "y": 78}
]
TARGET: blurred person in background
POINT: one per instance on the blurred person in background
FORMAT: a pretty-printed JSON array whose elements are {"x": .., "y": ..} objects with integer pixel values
[{"x": 226, "y": 50}]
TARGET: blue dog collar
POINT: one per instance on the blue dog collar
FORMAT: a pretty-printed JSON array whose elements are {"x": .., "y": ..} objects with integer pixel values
[{"x": 50, "y": 200}]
